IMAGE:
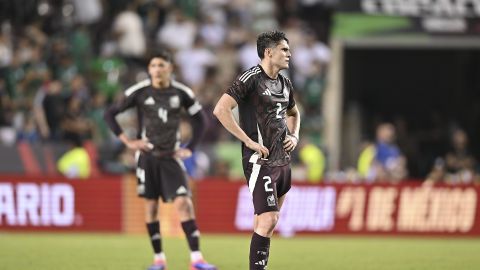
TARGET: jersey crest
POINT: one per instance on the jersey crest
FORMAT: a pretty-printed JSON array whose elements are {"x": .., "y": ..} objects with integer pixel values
[{"x": 174, "y": 102}]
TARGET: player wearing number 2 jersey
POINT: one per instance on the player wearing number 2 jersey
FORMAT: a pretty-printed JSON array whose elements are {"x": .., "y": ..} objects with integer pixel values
[
  {"x": 269, "y": 128},
  {"x": 159, "y": 101}
]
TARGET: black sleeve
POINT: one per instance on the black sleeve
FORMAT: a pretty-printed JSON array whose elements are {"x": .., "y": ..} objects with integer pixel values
[
  {"x": 238, "y": 91},
  {"x": 115, "y": 109},
  {"x": 198, "y": 122},
  {"x": 112, "y": 123}
]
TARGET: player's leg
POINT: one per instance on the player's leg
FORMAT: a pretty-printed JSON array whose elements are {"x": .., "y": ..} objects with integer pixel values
[
  {"x": 261, "y": 182},
  {"x": 148, "y": 188},
  {"x": 266, "y": 223},
  {"x": 260, "y": 242},
  {"x": 184, "y": 207},
  {"x": 176, "y": 189},
  {"x": 153, "y": 228},
  {"x": 281, "y": 200},
  {"x": 283, "y": 184},
  {"x": 151, "y": 210},
  {"x": 280, "y": 203},
  {"x": 269, "y": 187}
]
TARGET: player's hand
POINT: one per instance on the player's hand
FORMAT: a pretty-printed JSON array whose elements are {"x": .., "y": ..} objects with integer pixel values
[
  {"x": 142, "y": 145},
  {"x": 183, "y": 153},
  {"x": 290, "y": 143},
  {"x": 260, "y": 149}
]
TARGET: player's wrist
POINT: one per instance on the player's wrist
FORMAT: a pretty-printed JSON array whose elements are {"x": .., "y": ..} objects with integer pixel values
[
  {"x": 249, "y": 143},
  {"x": 123, "y": 138}
]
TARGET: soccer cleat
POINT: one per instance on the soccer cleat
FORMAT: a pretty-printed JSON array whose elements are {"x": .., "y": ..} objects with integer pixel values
[
  {"x": 158, "y": 265},
  {"x": 202, "y": 265}
]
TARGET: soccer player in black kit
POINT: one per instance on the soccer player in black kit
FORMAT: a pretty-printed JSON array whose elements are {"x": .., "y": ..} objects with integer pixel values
[
  {"x": 269, "y": 129},
  {"x": 159, "y": 101}
]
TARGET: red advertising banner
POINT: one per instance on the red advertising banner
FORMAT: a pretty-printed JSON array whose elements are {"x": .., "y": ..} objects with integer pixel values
[
  {"x": 57, "y": 204},
  {"x": 407, "y": 209}
]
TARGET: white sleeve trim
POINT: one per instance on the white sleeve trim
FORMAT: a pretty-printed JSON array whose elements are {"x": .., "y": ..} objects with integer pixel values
[
  {"x": 195, "y": 108},
  {"x": 184, "y": 88},
  {"x": 132, "y": 89}
]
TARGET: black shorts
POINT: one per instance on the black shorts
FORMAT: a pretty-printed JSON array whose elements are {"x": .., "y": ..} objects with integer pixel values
[
  {"x": 266, "y": 184},
  {"x": 163, "y": 177}
]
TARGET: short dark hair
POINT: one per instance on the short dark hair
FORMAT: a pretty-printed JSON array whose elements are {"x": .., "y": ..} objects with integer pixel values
[
  {"x": 162, "y": 53},
  {"x": 269, "y": 39}
]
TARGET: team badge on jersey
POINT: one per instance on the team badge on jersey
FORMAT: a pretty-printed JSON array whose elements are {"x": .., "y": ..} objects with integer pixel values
[
  {"x": 174, "y": 102},
  {"x": 271, "y": 200}
]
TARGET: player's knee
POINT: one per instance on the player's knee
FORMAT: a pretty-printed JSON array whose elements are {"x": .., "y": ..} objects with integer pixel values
[
  {"x": 151, "y": 210},
  {"x": 268, "y": 220},
  {"x": 274, "y": 218},
  {"x": 183, "y": 204}
]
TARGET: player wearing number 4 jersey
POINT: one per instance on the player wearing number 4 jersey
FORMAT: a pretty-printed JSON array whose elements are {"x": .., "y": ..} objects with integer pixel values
[
  {"x": 269, "y": 128},
  {"x": 159, "y": 101}
]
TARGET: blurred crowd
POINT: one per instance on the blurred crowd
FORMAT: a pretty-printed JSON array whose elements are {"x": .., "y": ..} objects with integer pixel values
[
  {"x": 63, "y": 61},
  {"x": 385, "y": 159}
]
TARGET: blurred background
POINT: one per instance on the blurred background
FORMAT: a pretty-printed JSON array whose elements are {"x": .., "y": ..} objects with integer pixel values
[
  {"x": 389, "y": 94},
  {"x": 409, "y": 69}
]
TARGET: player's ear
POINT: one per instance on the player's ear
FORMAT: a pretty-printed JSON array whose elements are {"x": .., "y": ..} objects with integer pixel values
[{"x": 268, "y": 52}]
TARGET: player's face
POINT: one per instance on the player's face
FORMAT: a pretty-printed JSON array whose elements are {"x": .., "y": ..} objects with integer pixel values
[
  {"x": 280, "y": 55},
  {"x": 159, "y": 70}
]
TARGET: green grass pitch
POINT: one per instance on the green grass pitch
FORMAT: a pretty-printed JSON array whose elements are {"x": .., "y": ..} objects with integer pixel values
[{"x": 42, "y": 251}]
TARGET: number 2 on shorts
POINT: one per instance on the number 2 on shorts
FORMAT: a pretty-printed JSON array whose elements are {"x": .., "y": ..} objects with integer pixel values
[{"x": 268, "y": 181}]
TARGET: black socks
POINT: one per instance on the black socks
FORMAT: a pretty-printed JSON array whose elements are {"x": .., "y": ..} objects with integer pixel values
[
  {"x": 191, "y": 231},
  {"x": 154, "y": 232},
  {"x": 259, "y": 248}
]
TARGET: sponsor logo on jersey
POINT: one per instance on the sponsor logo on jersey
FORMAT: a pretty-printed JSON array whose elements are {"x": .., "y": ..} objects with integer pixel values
[
  {"x": 149, "y": 101},
  {"x": 267, "y": 92},
  {"x": 174, "y": 102}
]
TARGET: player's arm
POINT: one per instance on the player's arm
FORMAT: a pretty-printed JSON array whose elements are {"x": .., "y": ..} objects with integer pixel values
[
  {"x": 110, "y": 119},
  {"x": 293, "y": 125},
  {"x": 197, "y": 121},
  {"x": 223, "y": 111}
]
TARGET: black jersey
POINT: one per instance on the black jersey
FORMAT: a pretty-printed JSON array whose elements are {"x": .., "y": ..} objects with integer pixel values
[
  {"x": 263, "y": 103},
  {"x": 159, "y": 112}
]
